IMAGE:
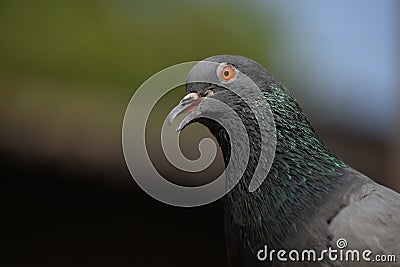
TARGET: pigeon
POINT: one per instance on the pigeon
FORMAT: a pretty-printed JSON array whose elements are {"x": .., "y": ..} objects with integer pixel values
[{"x": 310, "y": 200}]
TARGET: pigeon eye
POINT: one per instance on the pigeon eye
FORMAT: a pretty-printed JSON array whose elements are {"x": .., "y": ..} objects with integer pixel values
[{"x": 227, "y": 73}]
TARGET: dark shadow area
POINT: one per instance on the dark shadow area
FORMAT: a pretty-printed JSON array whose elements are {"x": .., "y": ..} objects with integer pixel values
[{"x": 50, "y": 221}]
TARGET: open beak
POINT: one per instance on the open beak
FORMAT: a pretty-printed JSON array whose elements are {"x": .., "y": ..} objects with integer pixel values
[{"x": 187, "y": 104}]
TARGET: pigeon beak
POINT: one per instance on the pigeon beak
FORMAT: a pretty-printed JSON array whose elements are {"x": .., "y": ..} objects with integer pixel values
[{"x": 188, "y": 103}]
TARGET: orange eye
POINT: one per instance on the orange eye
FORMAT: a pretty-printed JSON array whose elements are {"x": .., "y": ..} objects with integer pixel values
[{"x": 227, "y": 73}]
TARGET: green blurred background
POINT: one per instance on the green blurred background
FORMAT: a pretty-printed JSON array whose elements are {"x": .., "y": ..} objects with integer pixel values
[{"x": 68, "y": 70}]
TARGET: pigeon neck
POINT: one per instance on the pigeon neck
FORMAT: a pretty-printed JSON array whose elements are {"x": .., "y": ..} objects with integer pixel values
[{"x": 302, "y": 176}]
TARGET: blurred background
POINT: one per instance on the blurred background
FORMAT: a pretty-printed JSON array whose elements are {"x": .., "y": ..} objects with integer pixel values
[{"x": 69, "y": 68}]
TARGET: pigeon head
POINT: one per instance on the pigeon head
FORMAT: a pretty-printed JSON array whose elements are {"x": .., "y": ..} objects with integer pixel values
[{"x": 225, "y": 78}]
